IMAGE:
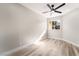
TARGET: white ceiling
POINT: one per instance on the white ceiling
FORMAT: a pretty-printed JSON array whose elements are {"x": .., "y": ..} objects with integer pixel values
[{"x": 41, "y": 7}]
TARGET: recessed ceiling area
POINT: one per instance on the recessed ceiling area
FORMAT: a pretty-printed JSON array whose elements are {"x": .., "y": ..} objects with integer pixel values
[{"x": 41, "y": 7}]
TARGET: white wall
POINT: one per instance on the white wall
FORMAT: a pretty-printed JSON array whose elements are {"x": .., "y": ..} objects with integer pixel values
[
  {"x": 71, "y": 26},
  {"x": 19, "y": 25},
  {"x": 55, "y": 34}
]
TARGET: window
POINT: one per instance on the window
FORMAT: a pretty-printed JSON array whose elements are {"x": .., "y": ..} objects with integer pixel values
[{"x": 55, "y": 24}]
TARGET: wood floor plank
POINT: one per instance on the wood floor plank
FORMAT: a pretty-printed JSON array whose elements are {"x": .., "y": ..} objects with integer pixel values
[{"x": 49, "y": 47}]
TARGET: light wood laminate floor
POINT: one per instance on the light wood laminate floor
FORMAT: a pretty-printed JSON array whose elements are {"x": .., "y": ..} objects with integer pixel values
[{"x": 49, "y": 47}]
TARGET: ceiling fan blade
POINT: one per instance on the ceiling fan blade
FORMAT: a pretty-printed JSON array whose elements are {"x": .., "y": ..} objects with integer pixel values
[
  {"x": 58, "y": 11},
  {"x": 49, "y": 6},
  {"x": 59, "y": 6},
  {"x": 46, "y": 11}
]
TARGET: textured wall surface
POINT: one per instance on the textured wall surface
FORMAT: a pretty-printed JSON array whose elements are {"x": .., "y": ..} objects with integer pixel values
[
  {"x": 56, "y": 33},
  {"x": 71, "y": 26},
  {"x": 18, "y": 26}
]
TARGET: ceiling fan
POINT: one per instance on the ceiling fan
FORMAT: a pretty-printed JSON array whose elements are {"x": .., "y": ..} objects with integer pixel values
[{"x": 51, "y": 7}]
